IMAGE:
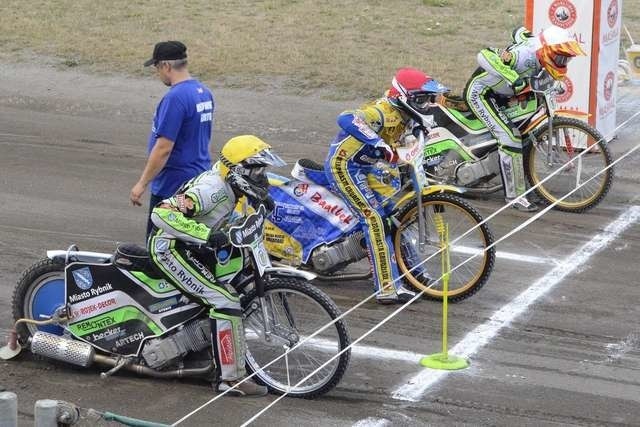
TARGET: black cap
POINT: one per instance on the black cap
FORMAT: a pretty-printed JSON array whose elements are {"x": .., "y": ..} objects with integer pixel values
[{"x": 167, "y": 51}]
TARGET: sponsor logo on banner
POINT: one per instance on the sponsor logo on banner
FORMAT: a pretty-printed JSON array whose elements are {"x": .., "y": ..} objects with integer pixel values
[
  {"x": 609, "y": 104},
  {"x": 608, "y": 85},
  {"x": 613, "y": 33},
  {"x": 612, "y": 13},
  {"x": 562, "y": 13},
  {"x": 83, "y": 278},
  {"x": 567, "y": 90}
]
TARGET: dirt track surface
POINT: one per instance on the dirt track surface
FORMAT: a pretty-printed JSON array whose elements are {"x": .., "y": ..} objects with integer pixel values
[{"x": 74, "y": 144}]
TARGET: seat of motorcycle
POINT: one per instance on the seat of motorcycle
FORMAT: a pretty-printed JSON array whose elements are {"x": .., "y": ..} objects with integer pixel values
[
  {"x": 309, "y": 171},
  {"x": 133, "y": 257}
]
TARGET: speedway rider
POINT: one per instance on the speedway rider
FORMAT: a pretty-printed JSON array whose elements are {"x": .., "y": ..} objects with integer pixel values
[
  {"x": 503, "y": 73},
  {"x": 368, "y": 136},
  {"x": 197, "y": 215}
]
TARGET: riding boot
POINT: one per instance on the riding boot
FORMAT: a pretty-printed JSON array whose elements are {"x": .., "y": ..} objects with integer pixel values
[
  {"x": 512, "y": 172},
  {"x": 227, "y": 338}
]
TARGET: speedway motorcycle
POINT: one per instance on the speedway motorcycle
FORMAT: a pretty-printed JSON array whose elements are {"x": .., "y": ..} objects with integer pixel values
[
  {"x": 314, "y": 229},
  {"x": 114, "y": 310},
  {"x": 462, "y": 152}
]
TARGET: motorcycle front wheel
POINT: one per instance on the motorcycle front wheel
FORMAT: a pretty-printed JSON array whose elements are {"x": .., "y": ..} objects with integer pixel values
[
  {"x": 470, "y": 259},
  {"x": 564, "y": 151},
  {"x": 294, "y": 310}
]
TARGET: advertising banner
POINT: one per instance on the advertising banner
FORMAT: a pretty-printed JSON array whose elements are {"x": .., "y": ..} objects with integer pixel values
[{"x": 590, "y": 86}]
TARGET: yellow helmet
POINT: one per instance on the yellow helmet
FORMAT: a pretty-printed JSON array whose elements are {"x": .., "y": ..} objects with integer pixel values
[
  {"x": 557, "y": 47},
  {"x": 243, "y": 160},
  {"x": 246, "y": 151}
]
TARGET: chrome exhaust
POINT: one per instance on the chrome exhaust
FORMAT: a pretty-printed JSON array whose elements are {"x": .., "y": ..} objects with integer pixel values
[
  {"x": 63, "y": 349},
  {"x": 83, "y": 354}
]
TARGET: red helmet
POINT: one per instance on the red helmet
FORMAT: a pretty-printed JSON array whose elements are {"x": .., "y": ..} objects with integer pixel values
[
  {"x": 413, "y": 91},
  {"x": 407, "y": 80}
]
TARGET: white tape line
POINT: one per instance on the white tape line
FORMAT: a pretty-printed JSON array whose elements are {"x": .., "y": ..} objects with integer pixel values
[
  {"x": 415, "y": 387},
  {"x": 505, "y": 255}
]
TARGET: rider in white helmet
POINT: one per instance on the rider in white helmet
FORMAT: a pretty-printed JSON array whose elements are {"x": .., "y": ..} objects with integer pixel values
[{"x": 504, "y": 73}]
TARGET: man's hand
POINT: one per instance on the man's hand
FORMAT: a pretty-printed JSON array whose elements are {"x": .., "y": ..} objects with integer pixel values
[{"x": 136, "y": 193}]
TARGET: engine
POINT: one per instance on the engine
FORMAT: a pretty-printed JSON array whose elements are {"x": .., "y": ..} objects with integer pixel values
[
  {"x": 328, "y": 258},
  {"x": 469, "y": 173},
  {"x": 194, "y": 336}
]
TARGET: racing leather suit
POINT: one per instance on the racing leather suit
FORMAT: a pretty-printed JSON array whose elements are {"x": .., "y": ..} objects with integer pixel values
[
  {"x": 501, "y": 73},
  {"x": 201, "y": 207},
  {"x": 352, "y": 166}
]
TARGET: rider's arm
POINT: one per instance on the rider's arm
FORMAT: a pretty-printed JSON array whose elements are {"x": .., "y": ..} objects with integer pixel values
[
  {"x": 494, "y": 64},
  {"x": 356, "y": 124},
  {"x": 174, "y": 216}
]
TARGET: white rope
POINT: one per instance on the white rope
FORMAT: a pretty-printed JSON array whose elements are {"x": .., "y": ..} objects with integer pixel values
[
  {"x": 405, "y": 305},
  {"x": 535, "y": 217}
]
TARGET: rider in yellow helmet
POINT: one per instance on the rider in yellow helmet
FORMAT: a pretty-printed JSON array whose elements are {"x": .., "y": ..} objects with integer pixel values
[{"x": 197, "y": 215}]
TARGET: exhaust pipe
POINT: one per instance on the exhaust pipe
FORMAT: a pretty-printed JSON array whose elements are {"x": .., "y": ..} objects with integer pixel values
[
  {"x": 63, "y": 349},
  {"x": 83, "y": 354}
]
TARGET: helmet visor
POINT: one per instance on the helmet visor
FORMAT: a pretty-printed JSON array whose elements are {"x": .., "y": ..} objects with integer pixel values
[
  {"x": 561, "y": 60},
  {"x": 264, "y": 158}
]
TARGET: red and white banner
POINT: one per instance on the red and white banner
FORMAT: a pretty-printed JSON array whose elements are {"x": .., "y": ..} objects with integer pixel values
[{"x": 591, "y": 81}]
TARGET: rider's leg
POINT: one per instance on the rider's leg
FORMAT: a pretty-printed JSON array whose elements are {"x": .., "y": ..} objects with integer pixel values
[
  {"x": 191, "y": 275},
  {"x": 482, "y": 103},
  {"x": 350, "y": 181}
]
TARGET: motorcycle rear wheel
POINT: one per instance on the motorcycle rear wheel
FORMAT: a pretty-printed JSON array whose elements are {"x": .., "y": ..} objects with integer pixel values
[
  {"x": 542, "y": 158},
  {"x": 470, "y": 260},
  {"x": 39, "y": 293},
  {"x": 297, "y": 309}
]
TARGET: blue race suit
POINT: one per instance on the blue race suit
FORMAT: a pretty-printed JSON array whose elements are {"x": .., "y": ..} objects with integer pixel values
[{"x": 365, "y": 135}]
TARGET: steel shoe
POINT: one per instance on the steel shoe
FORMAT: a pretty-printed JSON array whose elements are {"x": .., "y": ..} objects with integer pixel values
[{"x": 247, "y": 388}]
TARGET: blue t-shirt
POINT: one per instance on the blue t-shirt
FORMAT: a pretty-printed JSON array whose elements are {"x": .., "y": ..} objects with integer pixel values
[{"x": 184, "y": 116}]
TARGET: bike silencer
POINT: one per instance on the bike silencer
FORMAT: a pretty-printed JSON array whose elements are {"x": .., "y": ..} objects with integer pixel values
[{"x": 61, "y": 348}]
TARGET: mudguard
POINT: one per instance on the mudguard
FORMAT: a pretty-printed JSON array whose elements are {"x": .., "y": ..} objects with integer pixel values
[{"x": 431, "y": 189}]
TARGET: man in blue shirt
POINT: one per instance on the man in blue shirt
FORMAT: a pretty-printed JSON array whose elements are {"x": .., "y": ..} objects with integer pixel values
[{"x": 181, "y": 131}]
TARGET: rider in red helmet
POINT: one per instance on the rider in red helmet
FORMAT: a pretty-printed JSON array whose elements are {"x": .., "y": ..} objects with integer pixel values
[{"x": 368, "y": 136}]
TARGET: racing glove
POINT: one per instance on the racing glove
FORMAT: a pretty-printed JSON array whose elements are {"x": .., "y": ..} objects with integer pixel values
[
  {"x": 217, "y": 239},
  {"x": 518, "y": 85},
  {"x": 389, "y": 154}
]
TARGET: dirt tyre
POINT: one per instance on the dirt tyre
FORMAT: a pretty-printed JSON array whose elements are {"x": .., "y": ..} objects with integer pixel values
[
  {"x": 471, "y": 258},
  {"x": 296, "y": 310},
  {"x": 544, "y": 156},
  {"x": 39, "y": 293}
]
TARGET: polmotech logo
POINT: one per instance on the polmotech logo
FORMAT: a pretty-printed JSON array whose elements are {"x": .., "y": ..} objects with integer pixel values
[
  {"x": 612, "y": 13},
  {"x": 608, "y": 85},
  {"x": 562, "y": 13},
  {"x": 567, "y": 90}
]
